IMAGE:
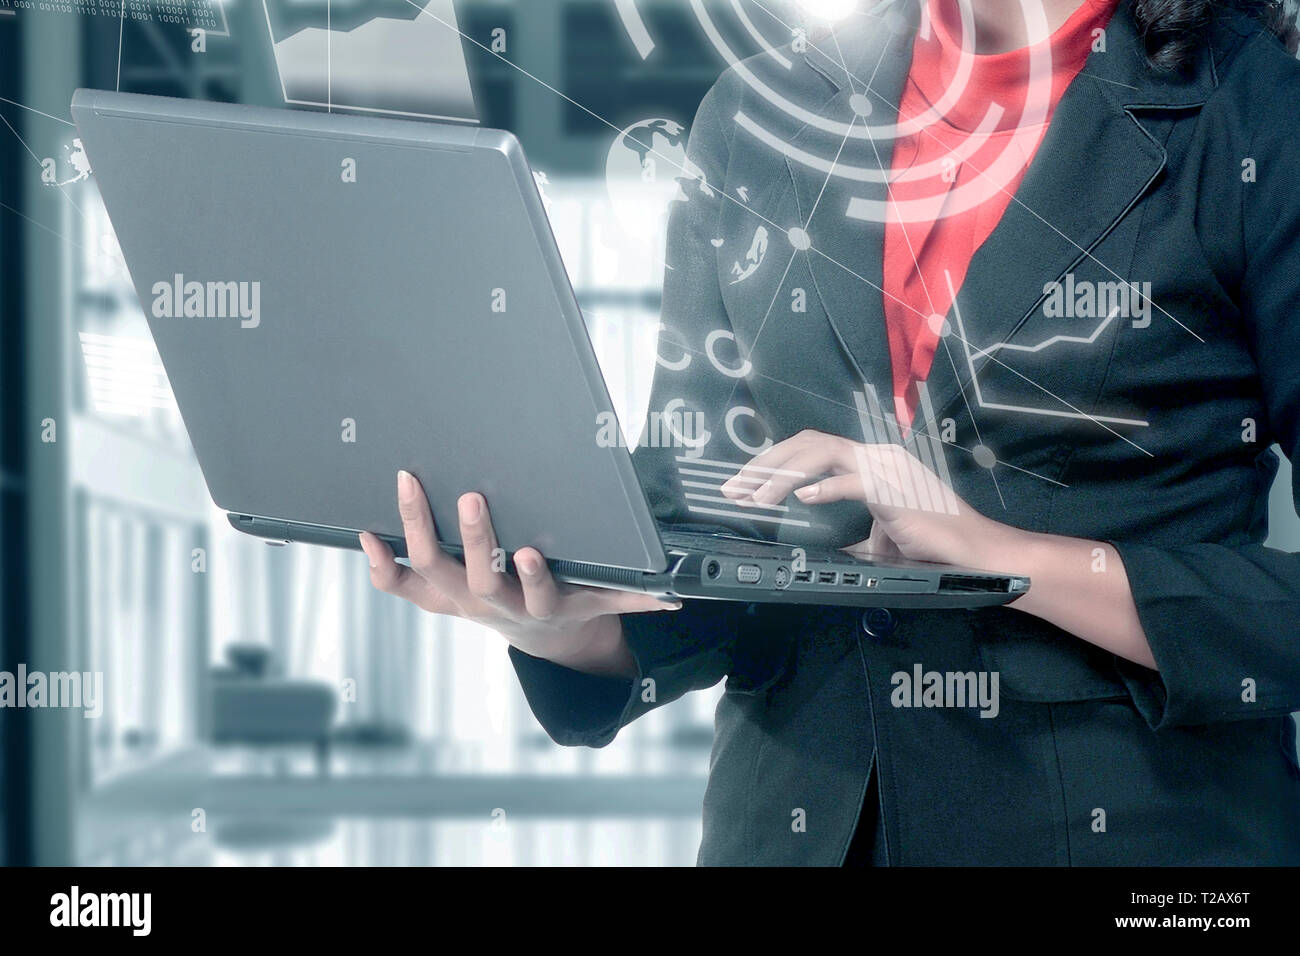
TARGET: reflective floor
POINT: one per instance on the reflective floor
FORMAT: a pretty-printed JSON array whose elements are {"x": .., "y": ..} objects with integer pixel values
[
  {"x": 404, "y": 806},
  {"x": 350, "y": 841}
]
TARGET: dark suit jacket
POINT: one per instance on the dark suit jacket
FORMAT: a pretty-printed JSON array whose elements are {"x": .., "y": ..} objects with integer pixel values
[{"x": 1091, "y": 760}]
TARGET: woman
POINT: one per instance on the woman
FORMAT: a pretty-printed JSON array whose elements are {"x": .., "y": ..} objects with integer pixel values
[{"x": 1117, "y": 455}]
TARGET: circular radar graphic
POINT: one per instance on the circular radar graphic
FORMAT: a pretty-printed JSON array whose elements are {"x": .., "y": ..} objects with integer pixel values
[{"x": 762, "y": 40}]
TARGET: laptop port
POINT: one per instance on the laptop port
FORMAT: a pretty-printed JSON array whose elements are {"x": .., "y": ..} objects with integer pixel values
[
  {"x": 782, "y": 579},
  {"x": 748, "y": 573},
  {"x": 851, "y": 579},
  {"x": 872, "y": 582},
  {"x": 803, "y": 577},
  {"x": 973, "y": 583},
  {"x": 712, "y": 569},
  {"x": 828, "y": 577}
]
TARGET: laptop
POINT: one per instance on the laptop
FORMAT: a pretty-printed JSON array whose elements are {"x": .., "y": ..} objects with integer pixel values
[{"x": 335, "y": 298}]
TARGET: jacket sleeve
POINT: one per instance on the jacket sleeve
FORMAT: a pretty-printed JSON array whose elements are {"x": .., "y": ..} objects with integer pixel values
[
  {"x": 693, "y": 648},
  {"x": 1223, "y": 622}
]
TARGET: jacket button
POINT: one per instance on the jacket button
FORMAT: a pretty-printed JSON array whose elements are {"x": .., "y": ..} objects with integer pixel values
[{"x": 878, "y": 622}]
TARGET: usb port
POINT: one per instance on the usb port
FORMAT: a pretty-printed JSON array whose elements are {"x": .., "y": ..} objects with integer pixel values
[
  {"x": 828, "y": 577},
  {"x": 803, "y": 577},
  {"x": 851, "y": 579}
]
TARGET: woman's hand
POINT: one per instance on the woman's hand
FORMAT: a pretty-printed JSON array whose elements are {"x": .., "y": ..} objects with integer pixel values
[
  {"x": 1081, "y": 586},
  {"x": 916, "y": 514},
  {"x": 577, "y": 627}
]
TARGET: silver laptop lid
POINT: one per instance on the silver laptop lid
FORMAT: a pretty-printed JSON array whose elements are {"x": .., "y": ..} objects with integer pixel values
[{"x": 337, "y": 297}]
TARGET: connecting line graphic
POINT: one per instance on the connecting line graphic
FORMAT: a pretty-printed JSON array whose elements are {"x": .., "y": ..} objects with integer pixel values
[
  {"x": 930, "y": 431},
  {"x": 121, "y": 24},
  {"x": 31, "y": 109},
  {"x": 42, "y": 226},
  {"x": 798, "y": 238},
  {"x": 61, "y": 186}
]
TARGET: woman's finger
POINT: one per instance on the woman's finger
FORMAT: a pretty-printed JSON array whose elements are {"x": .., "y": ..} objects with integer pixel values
[
  {"x": 427, "y": 559},
  {"x": 855, "y": 486},
  {"x": 885, "y": 477},
  {"x": 760, "y": 469},
  {"x": 545, "y": 598},
  {"x": 485, "y": 566},
  {"x": 392, "y": 578},
  {"x": 541, "y": 594},
  {"x": 828, "y": 455}
]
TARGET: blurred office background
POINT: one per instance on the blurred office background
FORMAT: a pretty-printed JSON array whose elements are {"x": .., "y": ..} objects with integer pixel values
[
  {"x": 263, "y": 705},
  {"x": 235, "y": 672}
]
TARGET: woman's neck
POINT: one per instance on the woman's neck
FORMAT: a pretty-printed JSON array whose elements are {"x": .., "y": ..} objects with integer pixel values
[{"x": 1000, "y": 24}]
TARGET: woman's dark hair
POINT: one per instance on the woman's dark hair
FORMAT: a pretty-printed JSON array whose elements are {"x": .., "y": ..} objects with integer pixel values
[{"x": 1175, "y": 29}]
